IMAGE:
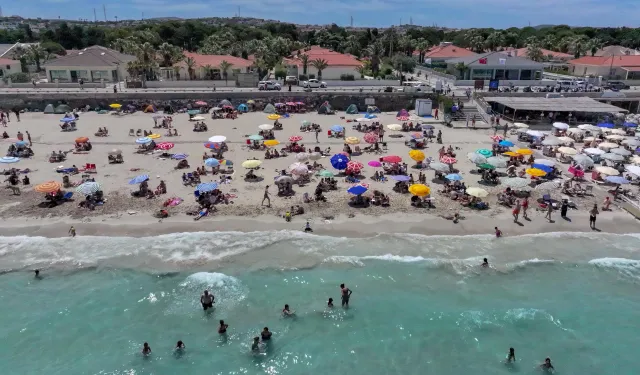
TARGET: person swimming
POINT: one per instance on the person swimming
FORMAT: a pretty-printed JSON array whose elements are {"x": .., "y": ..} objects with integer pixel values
[
  {"x": 485, "y": 262},
  {"x": 307, "y": 227},
  {"x": 256, "y": 344},
  {"x": 511, "y": 357},
  {"x": 223, "y": 327},
  {"x": 287, "y": 312},
  {"x": 547, "y": 366},
  {"x": 330, "y": 303},
  {"x": 345, "y": 295},
  {"x": 498, "y": 232},
  {"x": 37, "y": 272},
  {"x": 207, "y": 300},
  {"x": 146, "y": 349},
  {"x": 180, "y": 345},
  {"x": 266, "y": 334}
]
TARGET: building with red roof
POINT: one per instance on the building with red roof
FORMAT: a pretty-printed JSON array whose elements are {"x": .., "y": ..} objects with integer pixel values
[
  {"x": 613, "y": 67},
  {"x": 548, "y": 54},
  {"x": 443, "y": 52},
  {"x": 337, "y": 63},
  {"x": 208, "y": 66},
  {"x": 8, "y": 67}
]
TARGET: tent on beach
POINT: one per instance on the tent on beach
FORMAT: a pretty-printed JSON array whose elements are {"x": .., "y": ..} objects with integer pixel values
[
  {"x": 49, "y": 109},
  {"x": 243, "y": 108},
  {"x": 269, "y": 108},
  {"x": 62, "y": 109},
  {"x": 325, "y": 109},
  {"x": 352, "y": 109},
  {"x": 150, "y": 109},
  {"x": 373, "y": 109},
  {"x": 402, "y": 113},
  {"x": 224, "y": 102}
]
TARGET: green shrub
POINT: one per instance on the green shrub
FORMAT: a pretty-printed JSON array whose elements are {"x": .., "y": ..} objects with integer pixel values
[
  {"x": 347, "y": 77},
  {"x": 17, "y": 78},
  {"x": 312, "y": 76},
  {"x": 280, "y": 73},
  {"x": 303, "y": 77}
]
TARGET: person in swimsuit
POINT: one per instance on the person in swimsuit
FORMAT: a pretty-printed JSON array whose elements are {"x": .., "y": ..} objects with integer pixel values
[
  {"x": 330, "y": 303},
  {"x": 485, "y": 262},
  {"x": 206, "y": 300},
  {"x": 287, "y": 312},
  {"x": 592, "y": 216},
  {"x": 516, "y": 212},
  {"x": 498, "y": 232},
  {"x": 511, "y": 357},
  {"x": 256, "y": 344},
  {"x": 525, "y": 207},
  {"x": 37, "y": 272},
  {"x": 180, "y": 345},
  {"x": 72, "y": 231},
  {"x": 223, "y": 327},
  {"x": 547, "y": 366},
  {"x": 146, "y": 349},
  {"x": 266, "y": 334},
  {"x": 346, "y": 294},
  {"x": 307, "y": 227}
]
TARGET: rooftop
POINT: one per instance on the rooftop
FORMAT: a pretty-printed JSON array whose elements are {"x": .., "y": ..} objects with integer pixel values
[
  {"x": 332, "y": 58},
  {"x": 448, "y": 51},
  {"x": 571, "y": 104},
  {"x": 497, "y": 58},
  {"x": 616, "y": 51},
  {"x": 94, "y": 56},
  {"x": 633, "y": 60},
  {"x": 215, "y": 60},
  {"x": 522, "y": 52}
]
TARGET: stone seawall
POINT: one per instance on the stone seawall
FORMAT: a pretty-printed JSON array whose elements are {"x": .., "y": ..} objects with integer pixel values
[{"x": 338, "y": 100}]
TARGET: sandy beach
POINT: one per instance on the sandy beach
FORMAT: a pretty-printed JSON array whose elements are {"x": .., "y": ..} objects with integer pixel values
[{"x": 126, "y": 215}]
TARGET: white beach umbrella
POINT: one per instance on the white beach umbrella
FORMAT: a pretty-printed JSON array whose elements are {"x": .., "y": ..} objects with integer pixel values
[
  {"x": 547, "y": 162},
  {"x": 476, "y": 158},
  {"x": 615, "y": 137},
  {"x": 548, "y": 186},
  {"x": 583, "y": 160},
  {"x": 560, "y": 125},
  {"x": 617, "y": 131},
  {"x": 631, "y": 142},
  {"x": 497, "y": 161},
  {"x": 477, "y": 192},
  {"x": 568, "y": 150},
  {"x": 115, "y": 152},
  {"x": 394, "y": 127},
  {"x": 575, "y": 131},
  {"x": 566, "y": 140},
  {"x": 515, "y": 182},
  {"x": 315, "y": 156},
  {"x": 302, "y": 156},
  {"x": 440, "y": 167},
  {"x": 363, "y": 119},
  {"x": 298, "y": 169},
  {"x": 593, "y": 151},
  {"x": 621, "y": 151},
  {"x": 590, "y": 128},
  {"x": 633, "y": 169},
  {"x": 613, "y": 157},
  {"x": 635, "y": 159},
  {"x": 217, "y": 139},
  {"x": 535, "y": 133},
  {"x": 608, "y": 145},
  {"x": 520, "y": 125},
  {"x": 265, "y": 126},
  {"x": 607, "y": 170},
  {"x": 551, "y": 141}
]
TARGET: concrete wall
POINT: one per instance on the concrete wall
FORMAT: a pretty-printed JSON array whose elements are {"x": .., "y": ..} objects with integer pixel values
[
  {"x": 331, "y": 73},
  {"x": 12, "y": 68},
  {"x": 55, "y": 86},
  {"x": 189, "y": 84},
  {"x": 543, "y": 82}
]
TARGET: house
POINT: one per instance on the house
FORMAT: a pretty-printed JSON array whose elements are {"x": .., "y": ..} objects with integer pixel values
[
  {"x": 616, "y": 51},
  {"x": 208, "y": 67},
  {"x": 11, "y": 51},
  {"x": 438, "y": 55},
  {"x": 338, "y": 64},
  {"x": 616, "y": 67},
  {"x": 495, "y": 65},
  {"x": 8, "y": 67},
  {"x": 547, "y": 53},
  {"x": 91, "y": 64}
]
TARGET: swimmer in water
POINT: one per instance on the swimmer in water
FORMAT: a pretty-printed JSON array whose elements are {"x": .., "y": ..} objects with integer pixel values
[
  {"x": 37, "y": 272},
  {"x": 72, "y": 231},
  {"x": 287, "y": 312},
  {"x": 345, "y": 294},
  {"x": 256, "y": 344},
  {"x": 307, "y": 227},
  {"x": 146, "y": 349},
  {"x": 180, "y": 346},
  {"x": 206, "y": 300},
  {"x": 223, "y": 327},
  {"x": 330, "y": 303},
  {"x": 266, "y": 334},
  {"x": 547, "y": 366},
  {"x": 485, "y": 262},
  {"x": 498, "y": 232},
  {"x": 511, "y": 357}
]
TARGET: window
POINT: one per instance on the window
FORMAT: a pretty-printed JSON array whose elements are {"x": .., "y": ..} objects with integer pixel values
[
  {"x": 481, "y": 73},
  {"x": 97, "y": 75},
  {"x": 82, "y": 74},
  {"x": 526, "y": 75},
  {"x": 8, "y": 67},
  {"x": 59, "y": 75}
]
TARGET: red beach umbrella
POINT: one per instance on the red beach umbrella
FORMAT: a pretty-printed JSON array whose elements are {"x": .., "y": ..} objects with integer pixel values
[
  {"x": 392, "y": 159},
  {"x": 165, "y": 146}
]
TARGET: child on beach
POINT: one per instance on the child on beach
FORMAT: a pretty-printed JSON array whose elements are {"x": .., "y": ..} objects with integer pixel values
[{"x": 498, "y": 232}]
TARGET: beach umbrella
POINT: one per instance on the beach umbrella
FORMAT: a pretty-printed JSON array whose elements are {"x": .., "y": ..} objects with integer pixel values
[
  {"x": 608, "y": 145},
  {"x": 68, "y": 119},
  {"x": 633, "y": 169},
  {"x": 371, "y": 138},
  {"x": 400, "y": 177},
  {"x": 505, "y": 143},
  {"x": 352, "y": 140},
  {"x": 271, "y": 142},
  {"x": 206, "y": 187},
  {"x": 426, "y": 127},
  {"x": 394, "y": 127},
  {"x": 607, "y": 125},
  {"x": 551, "y": 141},
  {"x": 631, "y": 142},
  {"x": 88, "y": 188},
  {"x": 547, "y": 162},
  {"x": 616, "y": 131},
  {"x": 82, "y": 140},
  {"x": 256, "y": 137},
  {"x": 143, "y": 140},
  {"x": 315, "y": 156},
  {"x": 567, "y": 150},
  {"x": 217, "y": 139},
  {"x": 419, "y": 190},
  {"x": 621, "y": 151},
  {"x": 486, "y": 166},
  {"x": 477, "y": 192},
  {"x": 476, "y": 158},
  {"x": 295, "y": 138},
  {"x": 392, "y": 159},
  {"x": 211, "y": 162},
  {"x": 593, "y": 151},
  {"x": 193, "y": 112},
  {"x": 302, "y": 156},
  {"x": 198, "y": 118},
  {"x": 402, "y": 118},
  {"x": 591, "y": 139},
  {"x": 215, "y": 109},
  {"x": 374, "y": 164},
  {"x": 115, "y": 151},
  {"x": 273, "y": 116},
  {"x": 283, "y": 180},
  {"x": 325, "y": 173},
  {"x": 618, "y": 180},
  {"x": 139, "y": 179},
  {"x": 355, "y": 165},
  {"x": 22, "y": 143},
  {"x": 363, "y": 119},
  {"x": 339, "y": 161},
  {"x": 9, "y": 159},
  {"x": 165, "y": 146},
  {"x": 542, "y": 167},
  {"x": 630, "y": 125},
  {"x": 337, "y": 128},
  {"x": 115, "y": 105},
  {"x": 251, "y": 164},
  {"x": 453, "y": 177},
  {"x": 535, "y": 133},
  {"x": 615, "y": 137},
  {"x": 212, "y": 146},
  {"x": 179, "y": 156},
  {"x": 266, "y": 126},
  {"x": 575, "y": 131},
  {"x": 417, "y": 155},
  {"x": 520, "y": 125},
  {"x": 448, "y": 160},
  {"x": 226, "y": 162},
  {"x": 515, "y": 182},
  {"x": 48, "y": 187},
  {"x": 612, "y": 157},
  {"x": 535, "y": 172},
  {"x": 524, "y": 151},
  {"x": 607, "y": 170},
  {"x": 589, "y": 128},
  {"x": 548, "y": 186},
  {"x": 484, "y": 152},
  {"x": 416, "y": 136},
  {"x": 566, "y": 140},
  {"x": 510, "y": 153},
  {"x": 497, "y": 161},
  {"x": 496, "y": 138},
  {"x": 303, "y": 123},
  {"x": 298, "y": 169},
  {"x": 560, "y": 125},
  {"x": 200, "y": 103},
  {"x": 440, "y": 167},
  {"x": 357, "y": 189},
  {"x": 583, "y": 160}
]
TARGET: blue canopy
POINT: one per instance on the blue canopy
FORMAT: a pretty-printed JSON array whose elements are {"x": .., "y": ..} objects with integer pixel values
[
  {"x": 339, "y": 161},
  {"x": 607, "y": 125},
  {"x": 543, "y": 167},
  {"x": 630, "y": 125},
  {"x": 453, "y": 177},
  {"x": 337, "y": 128},
  {"x": 139, "y": 179},
  {"x": 207, "y": 186},
  {"x": 506, "y": 143},
  {"x": 67, "y": 119},
  {"x": 617, "y": 180},
  {"x": 357, "y": 190},
  {"x": 211, "y": 162}
]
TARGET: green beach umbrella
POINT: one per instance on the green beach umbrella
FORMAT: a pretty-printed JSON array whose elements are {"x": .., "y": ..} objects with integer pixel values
[
  {"x": 193, "y": 111},
  {"x": 256, "y": 137},
  {"x": 484, "y": 152},
  {"x": 486, "y": 166},
  {"x": 325, "y": 173}
]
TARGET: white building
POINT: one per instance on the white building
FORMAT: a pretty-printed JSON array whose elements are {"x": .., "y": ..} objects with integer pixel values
[
  {"x": 91, "y": 64},
  {"x": 8, "y": 67},
  {"x": 338, "y": 64}
]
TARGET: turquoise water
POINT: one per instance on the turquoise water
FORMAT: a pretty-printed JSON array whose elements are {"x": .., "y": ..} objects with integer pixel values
[{"x": 409, "y": 313}]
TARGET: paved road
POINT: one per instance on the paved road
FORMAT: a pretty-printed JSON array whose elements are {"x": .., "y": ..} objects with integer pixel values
[{"x": 284, "y": 91}]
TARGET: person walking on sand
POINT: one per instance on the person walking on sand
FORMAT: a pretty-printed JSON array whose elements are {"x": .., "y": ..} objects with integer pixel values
[
  {"x": 266, "y": 197},
  {"x": 72, "y": 231},
  {"x": 549, "y": 211},
  {"x": 29, "y": 138},
  {"x": 525, "y": 206},
  {"x": 592, "y": 216},
  {"x": 498, "y": 232},
  {"x": 516, "y": 212},
  {"x": 317, "y": 133}
]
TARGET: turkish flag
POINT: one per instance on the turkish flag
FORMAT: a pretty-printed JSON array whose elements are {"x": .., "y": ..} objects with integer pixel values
[{"x": 482, "y": 61}]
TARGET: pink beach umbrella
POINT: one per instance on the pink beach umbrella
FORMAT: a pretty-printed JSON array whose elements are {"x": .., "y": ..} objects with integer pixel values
[
  {"x": 496, "y": 138},
  {"x": 392, "y": 159},
  {"x": 371, "y": 137},
  {"x": 448, "y": 160},
  {"x": 576, "y": 172},
  {"x": 355, "y": 165},
  {"x": 295, "y": 138},
  {"x": 374, "y": 163},
  {"x": 402, "y": 118},
  {"x": 165, "y": 146}
]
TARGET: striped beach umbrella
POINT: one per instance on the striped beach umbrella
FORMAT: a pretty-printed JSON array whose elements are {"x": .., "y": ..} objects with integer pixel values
[
  {"x": 295, "y": 138},
  {"x": 48, "y": 187},
  {"x": 165, "y": 146},
  {"x": 371, "y": 138},
  {"x": 179, "y": 156},
  {"x": 9, "y": 159},
  {"x": 143, "y": 140}
]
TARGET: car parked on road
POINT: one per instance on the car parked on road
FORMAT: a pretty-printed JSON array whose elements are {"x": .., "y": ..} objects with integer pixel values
[
  {"x": 616, "y": 85},
  {"x": 268, "y": 86},
  {"x": 314, "y": 84}
]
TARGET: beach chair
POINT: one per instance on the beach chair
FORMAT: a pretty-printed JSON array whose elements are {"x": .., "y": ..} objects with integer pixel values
[
  {"x": 67, "y": 196},
  {"x": 90, "y": 168},
  {"x": 588, "y": 190}
]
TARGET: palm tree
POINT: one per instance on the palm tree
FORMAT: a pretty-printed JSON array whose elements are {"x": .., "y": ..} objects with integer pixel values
[
  {"x": 190, "y": 62},
  {"x": 375, "y": 51},
  {"x": 534, "y": 52},
  {"x": 176, "y": 71},
  {"x": 224, "y": 68},
  {"x": 320, "y": 65},
  {"x": 421, "y": 45},
  {"x": 462, "y": 68},
  {"x": 169, "y": 54},
  {"x": 304, "y": 59},
  {"x": 208, "y": 69},
  {"x": 36, "y": 54}
]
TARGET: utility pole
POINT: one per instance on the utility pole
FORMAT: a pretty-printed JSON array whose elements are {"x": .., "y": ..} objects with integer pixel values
[
  {"x": 1, "y": 12},
  {"x": 351, "y": 21},
  {"x": 411, "y": 21},
  {"x": 238, "y": 11},
  {"x": 95, "y": 17},
  {"x": 104, "y": 10}
]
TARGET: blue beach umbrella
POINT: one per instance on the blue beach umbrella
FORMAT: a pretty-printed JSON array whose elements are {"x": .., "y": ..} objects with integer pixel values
[
  {"x": 617, "y": 180},
  {"x": 453, "y": 177},
  {"x": 484, "y": 152},
  {"x": 139, "y": 179},
  {"x": 207, "y": 186},
  {"x": 339, "y": 161},
  {"x": 543, "y": 167},
  {"x": 401, "y": 178},
  {"x": 369, "y": 115},
  {"x": 256, "y": 137},
  {"x": 630, "y": 125},
  {"x": 9, "y": 160},
  {"x": 211, "y": 162},
  {"x": 506, "y": 143},
  {"x": 357, "y": 190},
  {"x": 179, "y": 156},
  {"x": 193, "y": 112},
  {"x": 607, "y": 125},
  {"x": 67, "y": 119},
  {"x": 22, "y": 143},
  {"x": 427, "y": 127},
  {"x": 143, "y": 140},
  {"x": 337, "y": 128}
]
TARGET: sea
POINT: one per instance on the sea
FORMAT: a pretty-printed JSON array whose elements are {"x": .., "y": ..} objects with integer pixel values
[{"x": 420, "y": 304}]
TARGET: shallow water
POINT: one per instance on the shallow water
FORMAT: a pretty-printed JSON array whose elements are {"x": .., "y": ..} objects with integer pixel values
[{"x": 427, "y": 308}]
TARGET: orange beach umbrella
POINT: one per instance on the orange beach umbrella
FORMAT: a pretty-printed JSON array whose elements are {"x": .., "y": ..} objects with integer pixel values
[{"x": 48, "y": 187}]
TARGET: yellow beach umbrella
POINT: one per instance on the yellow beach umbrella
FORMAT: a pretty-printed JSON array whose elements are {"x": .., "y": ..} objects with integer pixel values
[
  {"x": 273, "y": 116},
  {"x": 416, "y": 155},
  {"x": 419, "y": 190},
  {"x": 115, "y": 105},
  {"x": 524, "y": 151},
  {"x": 271, "y": 142},
  {"x": 154, "y": 136},
  {"x": 535, "y": 172},
  {"x": 607, "y": 170},
  {"x": 510, "y": 153},
  {"x": 477, "y": 192},
  {"x": 352, "y": 140},
  {"x": 250, "y": 164}
]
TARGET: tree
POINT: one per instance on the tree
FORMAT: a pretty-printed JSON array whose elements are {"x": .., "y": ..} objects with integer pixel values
[
  {"x": 169, "y": 55},
  {"x": 54, "y": 48},
  {"x": 320, "y": 65},
  {"x": 534, "y": 52},
  {"x": 375, "y": 51},
  {"x": 190, "y": 62},
  {"x": 461, "y": 68},
  {"x": 361, "y": 70},
  {"x": 495, "y": 40},
  {"x": 224, "y": 68},
  {"x": 304, "y": 59},
  {"x": 35, "y": 54},
  {"x": 403, "y": 63},
  {"x": 208, "y": 69}
]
